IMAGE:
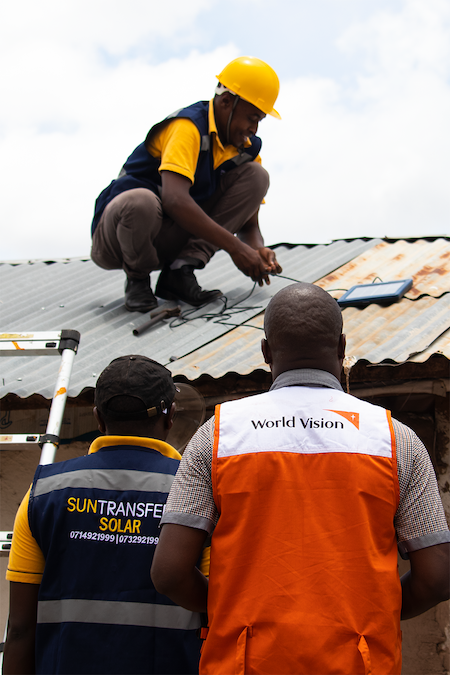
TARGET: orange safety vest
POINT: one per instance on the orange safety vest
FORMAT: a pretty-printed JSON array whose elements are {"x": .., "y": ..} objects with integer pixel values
[{"x": 303, "y": 575}]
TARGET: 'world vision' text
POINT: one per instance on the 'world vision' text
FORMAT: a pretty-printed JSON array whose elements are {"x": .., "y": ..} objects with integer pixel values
[{"x": 309, "y": 423}]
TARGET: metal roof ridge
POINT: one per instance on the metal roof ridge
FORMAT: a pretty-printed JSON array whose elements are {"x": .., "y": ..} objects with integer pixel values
[{"x": 67, "y": 259}]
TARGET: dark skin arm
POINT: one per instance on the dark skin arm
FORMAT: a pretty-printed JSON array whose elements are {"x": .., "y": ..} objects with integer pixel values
[
  {"x": 427, "y": 583},
  {"x": 250, "y": 234},
  {"x": 247, "y": 251},
  {"x": 18, "y": 657},
  {"x": 174, "y": 572}
]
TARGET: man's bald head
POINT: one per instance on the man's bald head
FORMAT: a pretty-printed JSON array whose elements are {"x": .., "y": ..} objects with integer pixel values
[{"x": 303, "y": 326}]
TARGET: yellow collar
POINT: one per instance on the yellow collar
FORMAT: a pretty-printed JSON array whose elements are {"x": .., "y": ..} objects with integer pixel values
[
  {"x": 212, "y": 123},
  {"x": 152, "y": 443}
]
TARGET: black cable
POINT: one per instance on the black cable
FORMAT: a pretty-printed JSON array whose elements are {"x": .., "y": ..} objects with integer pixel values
[
  {"x": 328, "y": 290},
  {"x": 221, "y": 315},
  {"x": 225, "y": 313},
  {"x": 282, "y": 276}
]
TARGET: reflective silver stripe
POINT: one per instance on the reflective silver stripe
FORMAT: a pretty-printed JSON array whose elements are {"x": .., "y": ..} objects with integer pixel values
[
  {"x": 174, "y": 114},
  {"x": 206, "y": 143},
  {"x": 123, "y": 613},
  {"x": 242, "y": 158},
  {"x": 105, "y": 479}
]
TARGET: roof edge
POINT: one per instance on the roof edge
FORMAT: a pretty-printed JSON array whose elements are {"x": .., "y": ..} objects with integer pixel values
[{"x": 85, "y": 258}]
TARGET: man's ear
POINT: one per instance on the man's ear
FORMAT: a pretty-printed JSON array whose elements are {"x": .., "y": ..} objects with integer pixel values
[
  {"x": 267, "y": 353},
  {"x": 226, "y": 100},
  {"x": 100, "y": 421},
  {"x": 341, "y": 346}
]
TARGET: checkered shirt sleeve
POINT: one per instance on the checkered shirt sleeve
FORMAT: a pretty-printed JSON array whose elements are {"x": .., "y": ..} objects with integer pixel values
[
  {"x": 420, "y": 519},
  {"x": 191, "y": 500}
]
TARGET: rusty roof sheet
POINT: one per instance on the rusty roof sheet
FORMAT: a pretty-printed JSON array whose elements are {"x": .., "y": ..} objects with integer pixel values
[
  {"x": 236, "y": 352},
  {"x": 426, "y": 262},
  {"x": 411, "y": 330},
  {"x": 405, "y": 330}
]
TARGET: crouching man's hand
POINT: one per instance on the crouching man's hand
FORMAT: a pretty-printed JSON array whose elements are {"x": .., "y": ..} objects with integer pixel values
[
  {"x": 249, "y": 261},
  {"x": 271, "y": 264}
]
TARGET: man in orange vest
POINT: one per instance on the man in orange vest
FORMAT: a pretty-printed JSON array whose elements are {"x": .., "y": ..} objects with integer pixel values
[{"x": 307, "y": 492}]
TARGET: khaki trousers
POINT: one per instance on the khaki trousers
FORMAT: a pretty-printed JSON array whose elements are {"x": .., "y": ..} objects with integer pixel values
[{"x": 135, "y": 235}]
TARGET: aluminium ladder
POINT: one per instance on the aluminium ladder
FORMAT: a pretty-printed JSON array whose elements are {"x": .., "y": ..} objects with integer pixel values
[{"x": 64, "y": 343}]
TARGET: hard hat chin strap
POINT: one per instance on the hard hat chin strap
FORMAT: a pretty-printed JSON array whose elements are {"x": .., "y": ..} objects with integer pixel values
[
  {"x": 235, "y": 102},
  {"x": 221, "y": 89}
]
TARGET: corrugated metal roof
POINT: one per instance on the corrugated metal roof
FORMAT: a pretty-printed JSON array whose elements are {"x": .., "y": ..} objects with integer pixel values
[
  {"x": 80, "y": 296},
  {"x": 236, "y": 352},
  {"x": 402, "y": 331},
  {"x": 427, "y": 263},
  {"x": 407, "y": 331},
  {"x": 411, "y": 330}
]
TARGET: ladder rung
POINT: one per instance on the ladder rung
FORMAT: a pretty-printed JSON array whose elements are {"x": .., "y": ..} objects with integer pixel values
[
  {"x": 30, "y": 344},
  {"x": 13, "y": 439},
  {"x": 5, "y": 541}
]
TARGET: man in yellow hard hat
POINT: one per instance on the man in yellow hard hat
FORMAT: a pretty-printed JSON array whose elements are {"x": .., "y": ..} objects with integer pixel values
[{"x": 194, "y": 183}]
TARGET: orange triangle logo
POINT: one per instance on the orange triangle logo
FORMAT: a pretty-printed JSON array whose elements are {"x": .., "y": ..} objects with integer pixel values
[{"x": 350, "y": 416}]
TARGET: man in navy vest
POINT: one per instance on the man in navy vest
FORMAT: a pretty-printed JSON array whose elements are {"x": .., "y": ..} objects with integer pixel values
[
  {"x": 187, "y": 190},
  {"x": 81, "y": 597}
]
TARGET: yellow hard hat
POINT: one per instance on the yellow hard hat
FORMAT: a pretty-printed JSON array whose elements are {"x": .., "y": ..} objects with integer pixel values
[{"x": 254, "y": 81}]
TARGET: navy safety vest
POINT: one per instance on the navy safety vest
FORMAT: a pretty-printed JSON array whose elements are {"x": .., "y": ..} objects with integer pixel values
[
  {"x": 141, "y": 168},
  {"x": 96, "y": 520}
]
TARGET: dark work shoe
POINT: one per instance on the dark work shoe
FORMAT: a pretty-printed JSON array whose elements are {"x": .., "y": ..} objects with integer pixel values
[
  {"x": 139, "y": 296},
  {"x": 181, "y": 284}
]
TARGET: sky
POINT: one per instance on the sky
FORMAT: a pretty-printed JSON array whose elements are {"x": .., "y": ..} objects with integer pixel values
[{"x": 362, "y": 150}]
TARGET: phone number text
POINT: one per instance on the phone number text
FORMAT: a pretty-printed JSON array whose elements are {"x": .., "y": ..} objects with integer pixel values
[{"x": 114, "y": 538}]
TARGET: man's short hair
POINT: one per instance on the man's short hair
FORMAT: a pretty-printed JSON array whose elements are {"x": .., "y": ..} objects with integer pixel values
[
  {"x": 303, "y": 317},
  {"x": 134, "y": 387}
]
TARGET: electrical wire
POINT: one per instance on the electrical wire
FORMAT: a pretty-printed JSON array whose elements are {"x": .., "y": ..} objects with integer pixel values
[
  {"x": 223, "y": 315},
  {"x": 328, "y": 290}
]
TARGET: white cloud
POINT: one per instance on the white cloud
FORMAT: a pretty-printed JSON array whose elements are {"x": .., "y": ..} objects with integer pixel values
[
  {"x": 116, "y": 27},
  {"x": 394, "y": 45},
  {"x": 371, "y": 158},
  {"x": 73, "y": 116}
]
